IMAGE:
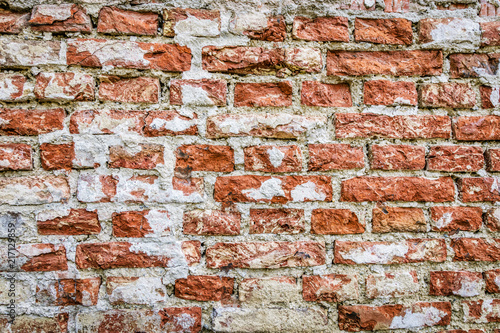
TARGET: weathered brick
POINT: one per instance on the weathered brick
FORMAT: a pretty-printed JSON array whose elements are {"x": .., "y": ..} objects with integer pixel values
[
  {"x": 263, "y": 94},
  {"x": 330, "y": 288},
  {"x": 314, "y": 93},
  {"x": 14, "y": 88},
  {"x": 106, "y": 122},
  {"x": 321, "y": 29},
  {"x": 204, "y": 92},
  {"x": 423, "y": 314},
  {"x": 135, "y": 290},
  {"x": 60, "y": 18},
  {"x": 273, "y": 158},
  {"x": 447, "y": 95},
  {"x": 477, "y": 128},
  {"x": 397, "y": 6},
  {"x": 57, "y": 156},
  {"x": 489, "y": 97},
  {"x": 66, "y": 292},
  {"x": 493, "y": 219},
  {"x": 68, "y": 86},
  {"x": 143, "y": 156},
  {"x": 129, "y": 90},
  {"x": 55, "y": 324},
  {"x": 144, "y": 223},
  {"x": 456, "y": 218},
  {"x": 258, "y": 25},
  {"x": 492, "y": 279},
  {"x": 139, "y": 55},
  {"x": 335, "y": 222},
  {"x": 204, "y": 158},
  {"x": 13, "y": 22},
  {"x": 266, "y": 254},
  {"x": 473, "y": 64},
  {"x": 455, "y": 158},
  {"x": 383, "y": 31},
  {"x": 397, "y": 189},
  {"x": 397, "y": 157},
  {"x": 393, "y": 284},
  {"x": 277, "y": 221},
  {"x": 398, "y": 219},
  {"x": 161, "y": 123},
  {"x": 280, "y": 126},
  {"x": 493, "y": 159},
  {"x": 279, "y": 189},
  {"x": 476, "y": 249},
  {"x": 114, "y": 20},
  {"x": 368, "y": 125},
  {"x": 479, "y": 189},
  {"x": 96, "y": 188},
  {"x": 211, "y": 222},
  {"x": 462, "y": 283},
  {"x": 72, "y": 222},
  {"x": 324, "y": 157},
  {"x": 387, "y": 253},
  {"x": 482, "y": 311},
  {"x": 15, "y": 156},
  {"x": 193, "y": 22},
  {"x": 397, "y": 63},
  {"x": 488, "y": 9},
  {"x": 36, "y": 258},
  {"x": 130, "y": 255},
  {"x": 27, "y": 53},
  {"x": 384, "y": 92},
  {"x": 34, "y": 190},
  {"x": 30, "y": 122},
  {"x": 453, "y": 30},
  {"x": 269, "y": 290},
  {"x": 204, "y": 288},
  {"x": 489, "y": 33}
]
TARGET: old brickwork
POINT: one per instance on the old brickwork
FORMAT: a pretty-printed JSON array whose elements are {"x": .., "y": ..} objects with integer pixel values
[{"x": 250, "y": 165}]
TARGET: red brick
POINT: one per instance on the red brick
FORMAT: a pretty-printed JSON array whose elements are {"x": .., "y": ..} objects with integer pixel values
[
  {"x": 30, "y": 122},
  {"x": 211, "y": 222},
  {"x": 463, "y": 283},
  {"x": 135, "y": 290},
  {"x": 457, "y": 218},
  {"x": 489, "y": 33},
  {"x": 493, "y": 219},
  {"x": 397, "y": 157},
  {"x": 113, "y": 20},
  {"x": 273, "y": 158},
  {"x": 139, "y": 55},
  {"x": 473, "y": 64},
  {"x": 453, "y": 6},
  {"x": 96, "y": 188},
  {"x": 314, "y": 93},
  {"x": 149, "y": 157},
  {"x": 398, "y": 189},
  {"x": 129, "y": 90},
  {"x": 174, "y": 16},
  {"x": 57, "y": 156},
  {"x": 260, "y": 61},
  {"x": 384, "y": 92},
  {"x": 15, "y": 156},
  {"x": 263, "y": 94},
  {"x": 492, "y": 278},
  {"x": 321, "y": 29},
  {"x": 204, "y": 288},
  {"x": 397, "y": 63},
  {"x": 106, "y": 122},
  {"x": 60, "y": 18},
  {"x": 56, "y": 324},
  {"x": 455, "y": 158},
  {"x": 41, "y": 257},
  {"x": 482, "y": 311},
  {"x": 144, "y": 223},
  {"x": 330, "y": 288},
  {"x": 75, "y": 222},
  {"x": 383, "y": 31},
  {"x": 367, "y": 318},
  {"x": 397, "y": 6},
  {"x": 479, "y": 189},
  {"x": 367, "y": 125},
  {"x": 282, "y": 126},
  {"x": 277, "y": 221},
  {"x": 161, "y": 123},
  {"x": 33, "y": 190},
  {"x": 204, "y": 158},
  {"x": 279, "y": 189},
  {"x": 398, "y": 219},
  {"x": 453, "y": 30},
  {"x": 477, "y": 128},
  {"x": 392, "y": 284},
  {"x": 68, "y": 86},
  {"x": 335, "y": 222},
  {"x": 447, "y": 95},
  {"x": 66, "y": 292},
  {"x": 266, "y": 254},
  {"x": 37, "y": 53},
  {"x": 489, "y": 97},
  {"x": 388, "y": 253},
  {"x": 493, "y": 159},
  {"x": 324, "y": 157},
  {"x": 127, "y": 255},
  {"x": 274, "y": 30},
  {"x": 13, "y": 22},
  {"x": 14, "y": 87},
  {"x": 488, "y": 9},
  {"x": 359, "y": 5},
  {"x": 476, "y": 249},
  {"x": 203, "y": 92}
]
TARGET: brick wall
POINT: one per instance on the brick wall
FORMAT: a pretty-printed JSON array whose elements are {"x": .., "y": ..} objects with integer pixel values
[{"x": 250, "y": 166}]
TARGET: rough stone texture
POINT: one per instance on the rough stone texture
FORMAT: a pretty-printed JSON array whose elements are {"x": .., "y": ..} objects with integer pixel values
[
  {"x": 193, "y": 22},
  {"x": 66, "y": 292},
  {"x": 14, "y": 87},
  {"x": 394, "y": 284},
  {"x": 321, "y": 29},
  {"x": 383, "y": 31},
  {"x": 26, "y": 53},
  {"x": 114, "y": 20},
  {"x": 397, "y": 157},
  {"x": 383, "y": 92},
  {"x": 135, "y": 290},
  {"x": 269, "y": 290},
  {"x": 335, "y": 222},
  {"x": 398, "y": 219},
  {"x": 315, "y": 93},
  {"x": 13, "y": 22},
  {"x": 34, "y": 190},
  {"x": 448, "y": 30}
]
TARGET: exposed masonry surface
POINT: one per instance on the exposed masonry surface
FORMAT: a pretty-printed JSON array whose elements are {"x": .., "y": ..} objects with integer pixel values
[{"x": 251, "y": 166}]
